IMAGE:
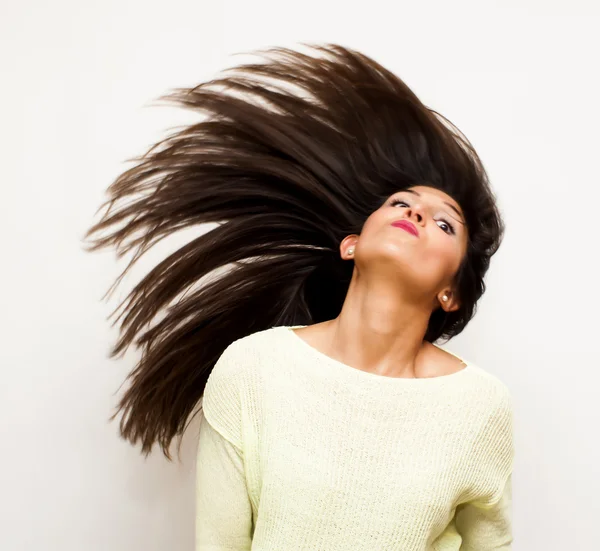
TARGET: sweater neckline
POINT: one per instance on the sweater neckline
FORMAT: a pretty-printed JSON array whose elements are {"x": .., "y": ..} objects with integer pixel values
[{"x": 345, "y": 369}]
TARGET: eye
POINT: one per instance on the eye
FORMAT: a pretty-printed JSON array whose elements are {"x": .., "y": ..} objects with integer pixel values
[{"x": 450, "y": 227}]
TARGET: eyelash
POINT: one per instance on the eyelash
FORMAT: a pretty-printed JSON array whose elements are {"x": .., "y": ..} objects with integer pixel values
[{"x": 451, "y": 231}]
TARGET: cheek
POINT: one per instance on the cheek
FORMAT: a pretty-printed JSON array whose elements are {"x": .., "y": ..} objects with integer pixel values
[
  {"x": 373, "y": 222},
  {"x": 446, "y": 252},
  {"x": 437, "y": 252},
  {"x": 374, "y": 231}
]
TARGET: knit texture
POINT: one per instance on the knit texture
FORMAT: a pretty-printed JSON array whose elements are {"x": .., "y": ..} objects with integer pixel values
[{"x": 298, "y": 451}]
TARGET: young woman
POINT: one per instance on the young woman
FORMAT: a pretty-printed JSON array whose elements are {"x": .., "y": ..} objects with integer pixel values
[{"x": 354, "y": 228}]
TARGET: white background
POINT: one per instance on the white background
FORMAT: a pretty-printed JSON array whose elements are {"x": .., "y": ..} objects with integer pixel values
[{"x": 520, "y": 79}]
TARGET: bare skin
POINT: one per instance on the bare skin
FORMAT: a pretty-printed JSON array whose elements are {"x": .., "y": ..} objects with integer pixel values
[
  {"x": 430, "y": 362},
  {"x": 399, "y": 279}
]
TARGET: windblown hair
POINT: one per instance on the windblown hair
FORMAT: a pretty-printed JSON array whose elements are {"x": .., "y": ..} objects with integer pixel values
[{"x": 294, "y": 154}]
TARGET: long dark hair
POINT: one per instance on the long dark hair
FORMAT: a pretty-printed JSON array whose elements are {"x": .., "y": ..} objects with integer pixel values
[{"x": 294, "y": 153}]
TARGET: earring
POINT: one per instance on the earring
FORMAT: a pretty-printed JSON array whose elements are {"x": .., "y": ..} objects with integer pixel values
[
  {"x": 351, "y": 250},
  {"x": 444, "y": 298}
]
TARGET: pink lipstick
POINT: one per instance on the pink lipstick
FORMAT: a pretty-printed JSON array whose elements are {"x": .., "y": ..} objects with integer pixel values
[{"x": 406, "y": 225}]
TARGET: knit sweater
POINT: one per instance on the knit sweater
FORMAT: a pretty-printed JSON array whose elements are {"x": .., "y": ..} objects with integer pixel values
[{"x": 299, "y": 451}]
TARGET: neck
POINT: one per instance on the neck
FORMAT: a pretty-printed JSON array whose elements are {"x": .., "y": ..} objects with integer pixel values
[{"x": 378, "y": 331}]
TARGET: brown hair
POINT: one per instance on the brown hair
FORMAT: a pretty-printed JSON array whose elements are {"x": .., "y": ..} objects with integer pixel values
[{"x": 286, "y": 175}]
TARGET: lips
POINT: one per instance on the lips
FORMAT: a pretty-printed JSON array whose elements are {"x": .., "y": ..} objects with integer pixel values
[{"x": 406, "y": 225}]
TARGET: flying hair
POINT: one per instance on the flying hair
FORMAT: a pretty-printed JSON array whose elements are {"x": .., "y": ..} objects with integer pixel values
[{"x": 293, "y": 153}]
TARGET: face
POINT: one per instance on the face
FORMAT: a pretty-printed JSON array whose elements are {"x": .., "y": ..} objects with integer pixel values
[{"x": 426, "y": 262}]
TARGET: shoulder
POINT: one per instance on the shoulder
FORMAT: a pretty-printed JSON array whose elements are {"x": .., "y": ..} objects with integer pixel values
[
  {"x": 496, "y": 391},
  {"x": 254, "y": 344},
  {"x": 489, "y": 402},
  {"x": 493, "y": 402},
  {"x": 241, "y": 359}
]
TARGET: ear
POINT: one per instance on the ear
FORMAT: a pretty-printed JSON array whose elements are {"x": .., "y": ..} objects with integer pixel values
[
  {"x": 451, "y": 304},
  {"x": 348, "y": 242}
]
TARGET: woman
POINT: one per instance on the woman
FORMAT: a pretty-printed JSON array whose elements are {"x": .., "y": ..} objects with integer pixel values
[{"x": 358, "y": 228}]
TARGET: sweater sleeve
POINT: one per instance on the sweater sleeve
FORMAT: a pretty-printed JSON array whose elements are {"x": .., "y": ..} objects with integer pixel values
[
  {"x": 485, "y": 523},
  {"x": 223, "y": 508},
  {"x": 223, "y": 511},
  {"x": 486, "y": 528},
  {"x": 221, "y": 400}
]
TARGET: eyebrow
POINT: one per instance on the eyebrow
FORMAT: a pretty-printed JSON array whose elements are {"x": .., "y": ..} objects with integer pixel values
[{"x": 445, "y": 202}]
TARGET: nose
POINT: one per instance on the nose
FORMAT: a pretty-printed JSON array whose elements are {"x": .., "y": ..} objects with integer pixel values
[{"x": 415, "y": 212}]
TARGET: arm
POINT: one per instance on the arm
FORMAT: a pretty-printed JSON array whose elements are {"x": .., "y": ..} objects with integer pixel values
[
  {"x": 223, "y": 511},
  {"x": 486, "y": 527},
  {"x": 485, "y": 521}
]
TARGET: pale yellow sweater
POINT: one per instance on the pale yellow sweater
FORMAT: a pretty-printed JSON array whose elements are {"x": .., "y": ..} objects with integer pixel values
[{"x": 299, "y": 451}]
